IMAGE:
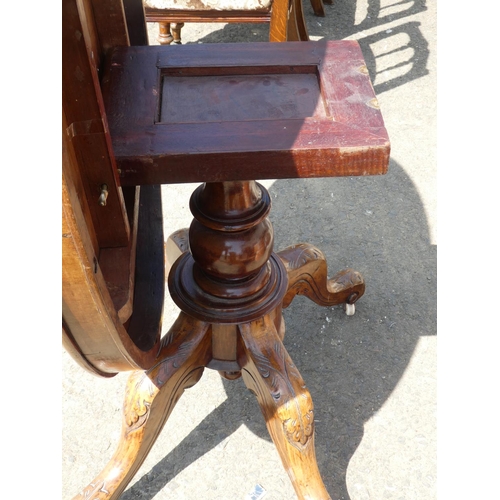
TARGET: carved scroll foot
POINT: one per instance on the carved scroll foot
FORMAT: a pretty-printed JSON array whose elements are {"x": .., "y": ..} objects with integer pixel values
[
  {"x": 307, "y": 275},
  {"x": 270, "y": 374},
  {"x": 149, "y": 400}
]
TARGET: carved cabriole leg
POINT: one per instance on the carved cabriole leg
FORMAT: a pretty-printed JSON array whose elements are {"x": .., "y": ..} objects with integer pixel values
[
  {"x": 149, "y": 400},
  {"x": 269, "y": 372},
  {"x": 307, "y": 275}
]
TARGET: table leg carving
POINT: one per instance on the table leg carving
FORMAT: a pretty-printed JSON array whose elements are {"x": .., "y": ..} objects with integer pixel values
[
  {"x": 150, "y": 398},
  {"x": 307, "y": 275},
  {"x": 270, "y": 374}
]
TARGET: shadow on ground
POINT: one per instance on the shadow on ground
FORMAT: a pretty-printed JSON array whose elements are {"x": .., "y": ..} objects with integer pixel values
[
  {"x": 394, "y": 55},
  {"x": 376, "y": 225}
]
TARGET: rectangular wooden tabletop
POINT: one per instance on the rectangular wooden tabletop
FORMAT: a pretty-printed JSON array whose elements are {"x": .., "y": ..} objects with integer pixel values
[{"x": 221, "y": 112}]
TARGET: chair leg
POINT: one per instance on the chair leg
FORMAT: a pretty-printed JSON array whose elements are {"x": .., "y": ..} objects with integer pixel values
[
  {"x": 150, "y": 398},
  {"x": 286, "y": 404},
  {"x": 318, "y": 8},
  {"x": 164, "y": 36},
  {"x": 176, "y": 32},
  {"x": 301, "y": 24}
]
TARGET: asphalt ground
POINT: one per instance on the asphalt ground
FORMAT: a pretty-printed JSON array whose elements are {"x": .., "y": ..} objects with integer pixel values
[{"x": 372, "y": 376}]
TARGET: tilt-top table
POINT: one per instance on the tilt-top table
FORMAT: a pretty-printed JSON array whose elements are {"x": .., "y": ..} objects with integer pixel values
[{"x": 225, "y": 115}]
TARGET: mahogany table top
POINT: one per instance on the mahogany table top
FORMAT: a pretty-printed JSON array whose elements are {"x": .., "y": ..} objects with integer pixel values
[{"x": 222, "y": 112}]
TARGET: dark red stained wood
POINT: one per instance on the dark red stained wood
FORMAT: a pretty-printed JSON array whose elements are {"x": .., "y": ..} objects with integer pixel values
[
  {"x": 348, "y": 138},
  {"x": 136, "y": 22},
  {"x": 239, "y": 97},
  {"x": 110, "y": 23}
]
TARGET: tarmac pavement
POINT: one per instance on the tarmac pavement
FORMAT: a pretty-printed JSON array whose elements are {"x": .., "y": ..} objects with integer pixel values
[{"x": 372, "y": 376}]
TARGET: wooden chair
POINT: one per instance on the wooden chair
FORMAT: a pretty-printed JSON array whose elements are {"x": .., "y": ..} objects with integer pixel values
[
  {"x": 262, "y": 110},
  {"x": 285, "y": 17}
]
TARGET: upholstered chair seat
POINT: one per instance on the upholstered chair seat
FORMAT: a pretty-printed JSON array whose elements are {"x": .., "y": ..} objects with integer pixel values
[{"x": 198, "y": 5}]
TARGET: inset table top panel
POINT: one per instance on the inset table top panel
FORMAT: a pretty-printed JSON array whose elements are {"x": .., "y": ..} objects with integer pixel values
[
  {"x": 203, "y": 99},
  {"x": 221, "y": 112}
]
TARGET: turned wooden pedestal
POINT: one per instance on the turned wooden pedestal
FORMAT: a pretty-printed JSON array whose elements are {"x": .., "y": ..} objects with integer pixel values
[{"x": 224, "y": 116}]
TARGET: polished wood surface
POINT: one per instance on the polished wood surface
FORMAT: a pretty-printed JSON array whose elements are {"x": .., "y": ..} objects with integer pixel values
[
  {"x": 92, "y": 325},
  {"x": 342, "y": 135},
  {"x": 111, "y": 23},
  {"x": 307, "y": 275},
  {"x": 223, "y": 273},
  {"x": 286, "y": 405}
]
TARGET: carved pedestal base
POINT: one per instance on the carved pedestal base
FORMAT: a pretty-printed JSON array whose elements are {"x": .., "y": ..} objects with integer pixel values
[{"x": 231, "y": 288}]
